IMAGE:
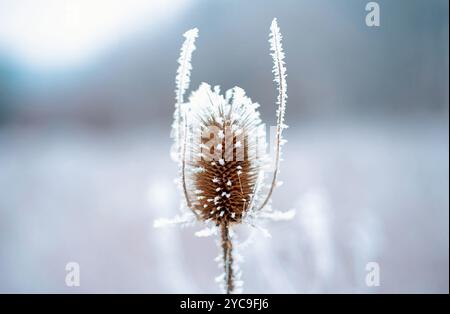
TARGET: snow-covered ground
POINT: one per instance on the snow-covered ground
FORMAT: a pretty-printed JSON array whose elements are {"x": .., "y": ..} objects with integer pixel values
[{"x": 364, "y": 192}]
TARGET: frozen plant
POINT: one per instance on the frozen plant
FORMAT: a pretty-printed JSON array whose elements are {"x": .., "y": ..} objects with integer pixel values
[{"x": 220, "y": 146}]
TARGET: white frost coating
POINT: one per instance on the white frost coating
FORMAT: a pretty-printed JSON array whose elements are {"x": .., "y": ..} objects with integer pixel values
[
  {"x": 237, "y": 273},
  {"x": 264, "y": 231},
  {"x": 279, "y": 69},
  {"x": 278, "y": 215},
  {"x": 206, "y": 104},
  {"x": 186, "y": 218},
  {"x": 182, "y": 81},
  {"x": 207, "y": 232},
  {"x": 220, "y": 278},
  {"x": 198, "y": 170}
]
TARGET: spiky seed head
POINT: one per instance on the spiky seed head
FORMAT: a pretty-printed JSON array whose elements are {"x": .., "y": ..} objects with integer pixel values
[{"x": 228, "y": 146}]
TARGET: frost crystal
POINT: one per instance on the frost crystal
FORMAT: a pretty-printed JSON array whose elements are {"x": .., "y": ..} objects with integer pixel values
[
  {"x": 278, "y": 215},
  {"x": 186, "y": 218},
  {"x": 182, "y": 81},
  {"x": 207, "y": 232}
]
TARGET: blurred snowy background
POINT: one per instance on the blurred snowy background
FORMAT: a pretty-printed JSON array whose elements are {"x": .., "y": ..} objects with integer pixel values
[{"x": 86, "y": 101}]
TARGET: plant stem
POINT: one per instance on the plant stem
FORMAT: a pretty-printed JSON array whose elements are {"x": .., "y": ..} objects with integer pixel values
[{"x": 227, "y": 248}]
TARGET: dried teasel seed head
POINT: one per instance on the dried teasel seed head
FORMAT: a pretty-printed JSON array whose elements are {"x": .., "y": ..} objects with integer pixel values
[{"x": 229, "y": 147}]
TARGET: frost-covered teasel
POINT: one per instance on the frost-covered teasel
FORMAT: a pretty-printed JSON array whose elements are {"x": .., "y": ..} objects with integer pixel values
[{"x": 220, "y": 146}]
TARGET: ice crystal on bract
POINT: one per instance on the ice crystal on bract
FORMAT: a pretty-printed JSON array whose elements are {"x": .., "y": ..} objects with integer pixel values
[{"x": 220, "y": 146}]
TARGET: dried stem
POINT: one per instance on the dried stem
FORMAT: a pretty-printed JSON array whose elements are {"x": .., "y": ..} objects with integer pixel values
[{"x": 227, "y": 247}]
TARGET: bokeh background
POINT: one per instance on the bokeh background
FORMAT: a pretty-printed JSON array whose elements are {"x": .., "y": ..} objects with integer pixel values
[{"x": 86, "y": 103}]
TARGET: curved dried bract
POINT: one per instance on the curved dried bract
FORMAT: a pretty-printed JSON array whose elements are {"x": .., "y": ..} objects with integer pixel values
[
  {"x": 179, "y": 127},
  {"x": 279, "y": 71}
]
